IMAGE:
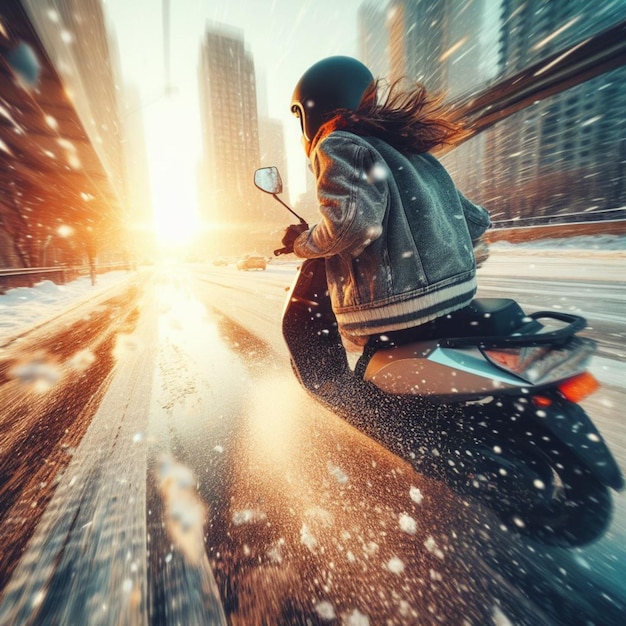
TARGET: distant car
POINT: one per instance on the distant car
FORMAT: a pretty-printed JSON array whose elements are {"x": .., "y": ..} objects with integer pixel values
[
  {"x": 220, "y": 260},
  {"x": 252, "y": 262}
]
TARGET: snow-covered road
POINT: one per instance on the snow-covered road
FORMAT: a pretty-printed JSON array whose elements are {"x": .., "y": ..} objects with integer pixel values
[{"x": 208, "y": 488}]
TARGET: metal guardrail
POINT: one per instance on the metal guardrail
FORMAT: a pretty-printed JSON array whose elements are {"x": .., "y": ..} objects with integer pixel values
[
  {"x": 29, "y": 276},
  {"x": 19, "y": 271},
  {"x": 560, "y": 218}
]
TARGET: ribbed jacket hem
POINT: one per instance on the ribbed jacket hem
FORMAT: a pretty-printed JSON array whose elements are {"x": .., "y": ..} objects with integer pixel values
[{"x": 414, "y": 311}]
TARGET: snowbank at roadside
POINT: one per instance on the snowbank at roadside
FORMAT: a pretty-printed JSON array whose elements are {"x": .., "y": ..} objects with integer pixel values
[
  {"x": 587, "y": 243},
  {"x": 24, "y": 307}
]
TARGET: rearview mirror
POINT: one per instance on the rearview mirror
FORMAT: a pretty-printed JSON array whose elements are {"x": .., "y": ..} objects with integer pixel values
[{"x": 268, "y": 179}]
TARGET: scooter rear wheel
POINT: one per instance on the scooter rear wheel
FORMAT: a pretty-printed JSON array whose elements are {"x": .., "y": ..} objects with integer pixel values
[
  {"x": 543, "y": 493},
  {"x": 571, "y": 508},
  {"x": 579, "y": 512}
]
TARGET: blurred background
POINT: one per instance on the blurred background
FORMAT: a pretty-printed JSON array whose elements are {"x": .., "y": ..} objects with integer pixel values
[
  {"x": 129, "y": 134},
  {"x": 127, "y": 128}
]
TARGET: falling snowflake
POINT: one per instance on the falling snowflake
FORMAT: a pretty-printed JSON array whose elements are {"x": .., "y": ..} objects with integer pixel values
[
  {"x": 416, "y": 495},
  {"x": 395, "y": 565},
  {"x": 325, "y": 610},
  {"x": 408, "y": 524}
]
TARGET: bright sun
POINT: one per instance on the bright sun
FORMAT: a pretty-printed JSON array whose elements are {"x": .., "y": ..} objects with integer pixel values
[
  {"x": 173, "y": 157},
  {"x": 176, "y": 223}
]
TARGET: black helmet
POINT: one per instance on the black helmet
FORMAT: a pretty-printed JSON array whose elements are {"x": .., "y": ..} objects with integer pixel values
[{"x": 334, "y": 83}]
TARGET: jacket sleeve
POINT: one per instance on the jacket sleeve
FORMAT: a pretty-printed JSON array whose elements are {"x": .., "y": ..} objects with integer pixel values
[
  {"x": 352, "y": 199},
  {"x": 477, "y": 218}
]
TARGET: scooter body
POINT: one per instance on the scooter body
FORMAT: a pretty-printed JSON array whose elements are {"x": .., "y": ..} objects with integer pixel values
[
  {"x": 486, "y": 399},
  {"x": 497, "y": 381}
]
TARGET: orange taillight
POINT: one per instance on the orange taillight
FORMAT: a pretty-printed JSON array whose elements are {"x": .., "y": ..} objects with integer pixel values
[
  {"x": 542, "y": 401},
  {"x": 578, "y": 388}
]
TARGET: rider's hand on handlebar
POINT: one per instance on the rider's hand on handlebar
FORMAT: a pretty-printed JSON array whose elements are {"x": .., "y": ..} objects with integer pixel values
[{"x": 292, "y": 232}]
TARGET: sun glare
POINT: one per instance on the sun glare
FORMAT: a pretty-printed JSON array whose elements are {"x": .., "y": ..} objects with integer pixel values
[
  {"x": 173, "y": 150},
  {"x": 175, "y": 225}
]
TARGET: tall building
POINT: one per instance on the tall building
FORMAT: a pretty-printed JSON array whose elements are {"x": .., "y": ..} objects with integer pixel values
[
  {"x": 272, "y": 147},
  {"x": 534, "y": 29},
  {"x": 77, "y": 95},
  {"x": 230, "y": 137},
  {"x": 75, "y": 35},
  {"x": 418, "y": 37},
  {"x": 139, "y": 215},
  {"x": 437, "y": 43},
  {"x": 373, "y": 38},
  {"x": 465, "y": 57},
  {"x": 571, "y": 141},
  {"x": 271, "y": 138},
  {"x": 274, "y": 218},
  {"x": 564, "y": 154}
]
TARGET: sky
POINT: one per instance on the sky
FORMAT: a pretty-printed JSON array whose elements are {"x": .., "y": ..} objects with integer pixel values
[{"x": 284, "y": 37}]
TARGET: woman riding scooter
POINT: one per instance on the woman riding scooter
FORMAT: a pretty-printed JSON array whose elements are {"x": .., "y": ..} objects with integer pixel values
[
  {"x": 390, "y": 264},
  {"x": 395, "y": 234}
]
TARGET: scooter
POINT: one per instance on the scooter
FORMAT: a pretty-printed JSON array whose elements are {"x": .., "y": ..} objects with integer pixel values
[{"x": 486, "y": 399}]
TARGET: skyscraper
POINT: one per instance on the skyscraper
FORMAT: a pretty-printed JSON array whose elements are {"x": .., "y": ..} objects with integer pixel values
[
  {"x": 230, "y": 135},
  {"x": 437, "y": 43},
  {"x": 74, "y": 52},
  {"x": 75, "y": 35},
  {"x": 139, "y": 211},
  {"x": 418, "y": 38},
  {"x": 573, "y": 140},
  {"x": 373, "y": 38}
]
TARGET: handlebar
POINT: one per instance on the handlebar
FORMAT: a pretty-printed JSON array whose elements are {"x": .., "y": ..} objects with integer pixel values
[{"x": 289, "y": 250}]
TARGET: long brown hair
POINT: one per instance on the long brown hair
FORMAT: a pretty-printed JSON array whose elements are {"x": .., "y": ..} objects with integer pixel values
[{"x": 411, "y": 120}]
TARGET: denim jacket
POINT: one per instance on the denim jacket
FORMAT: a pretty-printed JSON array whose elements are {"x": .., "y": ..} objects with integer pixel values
[{"x": 395, "y": 232}]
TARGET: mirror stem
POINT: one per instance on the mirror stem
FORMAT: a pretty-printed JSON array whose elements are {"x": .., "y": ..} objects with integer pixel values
[{"x": 302, "y": 220}]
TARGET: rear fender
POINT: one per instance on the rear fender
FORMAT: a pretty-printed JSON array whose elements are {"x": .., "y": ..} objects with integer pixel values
[{"x": 571, "y": 425}]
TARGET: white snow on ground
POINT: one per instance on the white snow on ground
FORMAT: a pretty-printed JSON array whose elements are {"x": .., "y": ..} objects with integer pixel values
[
  {"x": 604, "y": 243},
  {"x": 24, "y": 307}
]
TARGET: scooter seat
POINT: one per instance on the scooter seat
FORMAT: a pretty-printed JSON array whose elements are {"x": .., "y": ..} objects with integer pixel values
[
  {"x": 483, "y": 316},
  {"x": 494, "y": 317}
]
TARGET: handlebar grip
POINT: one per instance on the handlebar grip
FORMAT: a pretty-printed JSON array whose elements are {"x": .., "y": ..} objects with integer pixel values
[{"x": 281, "y": 251}]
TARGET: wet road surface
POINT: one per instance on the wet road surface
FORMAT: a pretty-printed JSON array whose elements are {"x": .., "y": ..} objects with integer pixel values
[{"x": 205, "y": 487}]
